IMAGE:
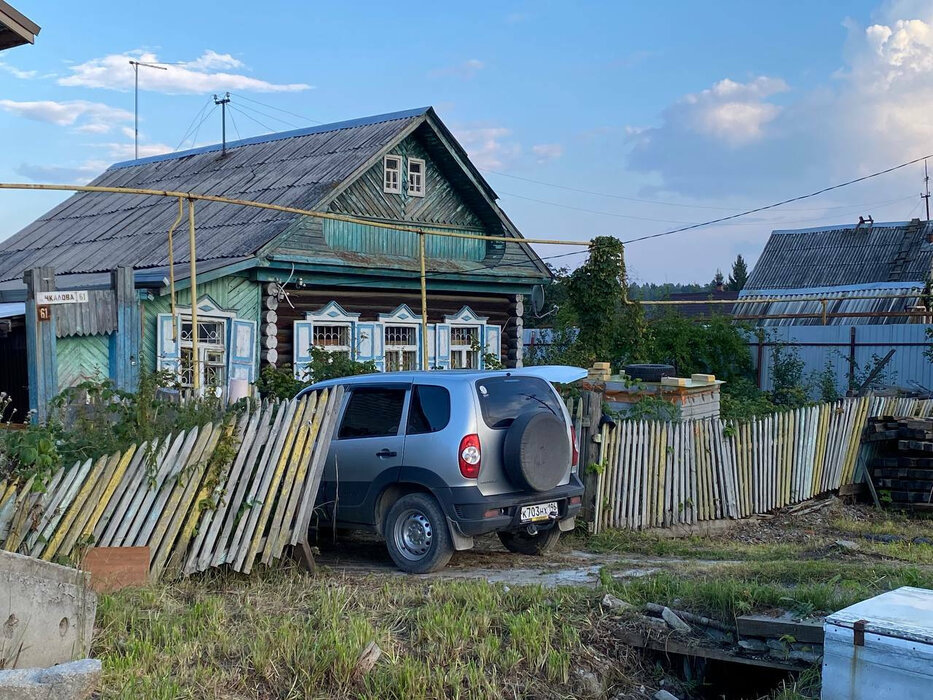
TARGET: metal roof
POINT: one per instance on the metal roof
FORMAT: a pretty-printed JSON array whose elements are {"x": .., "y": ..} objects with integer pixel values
[
  {"x": 15, "y": 28},
  {"x": 91, "y": 232},
  {"x": 94, "y": 232},
  {"x": 837, "y": 256}
]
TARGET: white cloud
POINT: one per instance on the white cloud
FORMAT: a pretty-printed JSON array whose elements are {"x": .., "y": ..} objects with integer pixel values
[
  {"x": 77, "y": 175},
  {"x": 16, "y": 72},
  {"x": 208, "y": 72},
  {"x": 465, "y": 71},
  {"x": 489, "y": 147},
  {"x": 127, "y": 151},
  {"x": 87, "y": 117},
  {"x": 547, "y": 151}
]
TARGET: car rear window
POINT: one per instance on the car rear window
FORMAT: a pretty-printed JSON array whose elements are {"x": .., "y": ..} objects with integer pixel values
[
  {"x": 502, "y": 399},
  {"x": 430, "y": 409}
]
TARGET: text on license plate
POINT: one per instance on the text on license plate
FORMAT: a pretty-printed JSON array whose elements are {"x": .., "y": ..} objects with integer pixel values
[{"x": 542, "y": 511}]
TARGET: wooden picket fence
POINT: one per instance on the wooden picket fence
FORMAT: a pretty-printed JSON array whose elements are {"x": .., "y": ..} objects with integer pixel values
[
  {"x": 193, "y": 515},
  {"x": 656, "y": 474}
]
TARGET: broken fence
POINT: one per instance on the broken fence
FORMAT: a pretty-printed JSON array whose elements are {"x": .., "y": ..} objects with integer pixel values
[
  {"x": 191, "y": 512},
  {"x": 655, "y": 474}
]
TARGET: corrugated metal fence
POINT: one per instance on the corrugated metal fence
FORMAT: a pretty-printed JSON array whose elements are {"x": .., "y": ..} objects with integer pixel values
[
  {"x": 192, "y": 513},
  {"x": 654, "y": 474},
  {"x": 838, "y": 346}
]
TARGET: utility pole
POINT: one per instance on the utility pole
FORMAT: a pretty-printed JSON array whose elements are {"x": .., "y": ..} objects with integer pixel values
[
  {"x": 223, "y": 102},
  {"x": 926, "y": 183},
  {"x": 136, "y": 65}
]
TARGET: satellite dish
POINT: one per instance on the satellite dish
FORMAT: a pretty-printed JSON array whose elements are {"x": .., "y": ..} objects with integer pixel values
[{"x": 537, "y": 299}]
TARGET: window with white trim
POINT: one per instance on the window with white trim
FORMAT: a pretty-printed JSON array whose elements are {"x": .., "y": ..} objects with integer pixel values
[
  {"x": 333, "y": 337},
  {"x": 401, "y": 348},
  {"x": 416, "y": 177},
  {"x": 464, "y": 341},
  {"x": 392, "y": 174},
  {"x": 212, "y": 352}
]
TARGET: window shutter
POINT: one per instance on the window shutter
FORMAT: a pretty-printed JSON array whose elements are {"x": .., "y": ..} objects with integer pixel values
[
  {"x": 301, "y": 349},
  {"x": 432, "y": 346},
  {"x": 242, "y": 349},
  {"x": 443, "y": 346},
  {"x": 168, "y": 354},
  {"x": 368, "y": 343},
  {"x": 493, "y": 340}
]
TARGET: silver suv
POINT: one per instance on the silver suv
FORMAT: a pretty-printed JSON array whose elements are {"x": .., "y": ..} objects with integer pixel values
[{"x": 432, "y": 459}]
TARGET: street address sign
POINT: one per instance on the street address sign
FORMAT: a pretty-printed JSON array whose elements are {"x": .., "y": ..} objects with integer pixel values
[{"x": 74, "y": 297}]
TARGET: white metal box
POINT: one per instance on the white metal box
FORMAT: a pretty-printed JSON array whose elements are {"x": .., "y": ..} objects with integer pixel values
[{"x": 881, "y": 648}]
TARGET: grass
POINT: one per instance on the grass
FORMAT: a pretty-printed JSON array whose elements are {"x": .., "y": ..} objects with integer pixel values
[
  {"x": 281, "y": 634},
  {"x": 714, "y": 549}
]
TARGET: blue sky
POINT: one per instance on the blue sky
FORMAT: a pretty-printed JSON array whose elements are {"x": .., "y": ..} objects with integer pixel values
[{"x": 698, "y": 109}]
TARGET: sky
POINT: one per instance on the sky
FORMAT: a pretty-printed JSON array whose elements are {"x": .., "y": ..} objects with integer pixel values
[{"x": 587, "y": 118}]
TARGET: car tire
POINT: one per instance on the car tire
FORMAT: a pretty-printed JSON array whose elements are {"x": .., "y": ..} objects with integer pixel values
[
  {"x": 521, "y": 542},
  {"x": 649, "y": 373},
  {"x": 416, "y": 534}
]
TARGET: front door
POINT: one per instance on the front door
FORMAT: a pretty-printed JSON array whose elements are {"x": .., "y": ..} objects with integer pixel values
[{"x": 366, "y": 452}]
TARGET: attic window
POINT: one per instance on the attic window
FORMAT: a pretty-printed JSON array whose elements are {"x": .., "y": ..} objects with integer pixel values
[
  {"x": 392, "y": 180},
  {"x": 416, "y": 177}
]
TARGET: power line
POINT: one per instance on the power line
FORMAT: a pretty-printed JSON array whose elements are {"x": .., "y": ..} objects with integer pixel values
[
  {"x": 279, "y": 109},
  {"x": 778, "y": 204},
  {"x": 594, "y": 211},
  {"x": 651, "y": 201},
  {"x": 253, "y": 119},
  {"x": 233, "y": 121},
  {"x": 290, "y": 124},
  {"x": 191, "y": 124}
]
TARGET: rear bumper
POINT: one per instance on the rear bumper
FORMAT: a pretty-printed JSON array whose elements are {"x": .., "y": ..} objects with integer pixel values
[{"x": 467, "y": 507}]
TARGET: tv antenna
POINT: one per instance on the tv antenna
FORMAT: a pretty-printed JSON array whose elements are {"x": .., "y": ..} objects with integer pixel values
[
  {"x": 223, "y": 102},
  {"x": 926, "y": 187},
  {"x": 136, "y": 65}
]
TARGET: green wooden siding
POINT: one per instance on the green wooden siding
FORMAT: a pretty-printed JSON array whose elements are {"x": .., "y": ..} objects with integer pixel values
[
  {"x": 82, "y": 357},
  {"x": 359, "y": 238},
  {"x": 236, "y": 294},
  {"x": 442, "y": 204}
]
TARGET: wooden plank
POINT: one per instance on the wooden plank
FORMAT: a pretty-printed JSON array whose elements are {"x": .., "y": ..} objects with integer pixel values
[
  {"x": 71, "y": 482},
  {"x": 126, "y": 531},
  {"x": 20, "y": 510},
  {"x": 80, "y": 499},
  {"x": 267, "y": 492},
  {"x": 38, "y": 510},
  {"x": 114, "y": 568},
  {"x": 298, "y": 467},
  {"x": 270, "y": 455},
  {"x": 81, "y": 525},
  {"x": 107, "y": 493},
  {"x": 764, "y": 626},
  {"x": 179, "y": 504},
  {"x": 136, "y": 465}
]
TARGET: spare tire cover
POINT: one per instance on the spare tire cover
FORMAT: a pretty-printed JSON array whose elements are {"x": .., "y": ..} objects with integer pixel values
[{"x": 536, "y": 450}]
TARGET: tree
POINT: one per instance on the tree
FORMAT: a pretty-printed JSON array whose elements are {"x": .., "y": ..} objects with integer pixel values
[
  {"x": 718, "y": 280},
  {"x": 739, "y": 275}
]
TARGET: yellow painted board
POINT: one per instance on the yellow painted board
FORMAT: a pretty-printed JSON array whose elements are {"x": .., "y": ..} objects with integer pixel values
[
  {"x": 269, "y": 498},
  {"x": 110, "y": 489},
  {"x": 297, "y": 468},
  {"x": 77, "y": 529},
  {"x": 178, "y": 506},
  {"x": 79, "y": 501},
  {"x": 20, "y": 511}
]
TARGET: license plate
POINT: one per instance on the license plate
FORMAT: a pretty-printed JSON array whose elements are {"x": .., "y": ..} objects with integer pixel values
[{"x": 542, "y": 511}]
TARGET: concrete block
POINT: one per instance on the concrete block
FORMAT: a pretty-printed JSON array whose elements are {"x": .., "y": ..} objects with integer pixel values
[
  {"x": 76, "y": 680},
  {"x": 708, "y": 378},
  {"x": 674, "y": 381},
  {"x": 46, "y": 612}
]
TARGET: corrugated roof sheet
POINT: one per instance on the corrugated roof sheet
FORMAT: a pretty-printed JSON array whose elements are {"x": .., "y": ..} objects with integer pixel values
[
  {"x": 844, "y": 255},
  {"x": 91, "y": 232}
]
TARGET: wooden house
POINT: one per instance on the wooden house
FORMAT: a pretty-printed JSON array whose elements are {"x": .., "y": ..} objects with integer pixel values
[{"x": 272, "y": 285}]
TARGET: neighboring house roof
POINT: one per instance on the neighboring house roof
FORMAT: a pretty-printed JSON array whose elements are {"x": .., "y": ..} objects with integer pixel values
[
  {"x": 694, "y": 310},
  {"x": 306, "y": 168},
  {"x": 15, "y": 28},
  {"x": 798, "y": 268}
]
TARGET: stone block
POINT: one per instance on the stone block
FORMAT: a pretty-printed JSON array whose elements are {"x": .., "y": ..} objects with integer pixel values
[{"x": 76, "y": 680}]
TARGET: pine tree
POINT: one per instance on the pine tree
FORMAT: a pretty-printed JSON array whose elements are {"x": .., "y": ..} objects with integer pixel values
[
  {"x": 718, "y": 280},
  {"x": 739, "y": 275}
]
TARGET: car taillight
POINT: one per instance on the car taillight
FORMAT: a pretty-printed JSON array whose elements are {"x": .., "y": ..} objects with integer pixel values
[
  {"x": 470, "y": 456},
  {"x": 575, "y": 453}
]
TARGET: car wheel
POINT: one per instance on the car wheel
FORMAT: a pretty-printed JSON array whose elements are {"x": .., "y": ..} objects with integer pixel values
[
  {"x": 542, "y": 542},
  {"x": 416, "y": 534}
]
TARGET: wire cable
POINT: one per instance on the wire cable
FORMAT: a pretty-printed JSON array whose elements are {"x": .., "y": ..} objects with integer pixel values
[
  {"x": 290, "y": 124},
  {"x": 253, "y": 119},
  {"x": 191, "y": 125},
  {"x": 279, "y": 109},
  {"x": 778, "y": 204},
  {"x": 233, "y": 121}
]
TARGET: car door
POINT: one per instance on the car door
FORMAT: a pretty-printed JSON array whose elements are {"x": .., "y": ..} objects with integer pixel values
[{"x": 367, "y": 450}]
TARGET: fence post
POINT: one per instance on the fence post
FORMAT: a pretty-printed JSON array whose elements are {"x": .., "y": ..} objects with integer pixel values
[
  {"x": 590, "y": 452},
  {"x": 125, "y": 341},
  {"x": 41, "y": 354},
  {"x": 851, "y": 357}
]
